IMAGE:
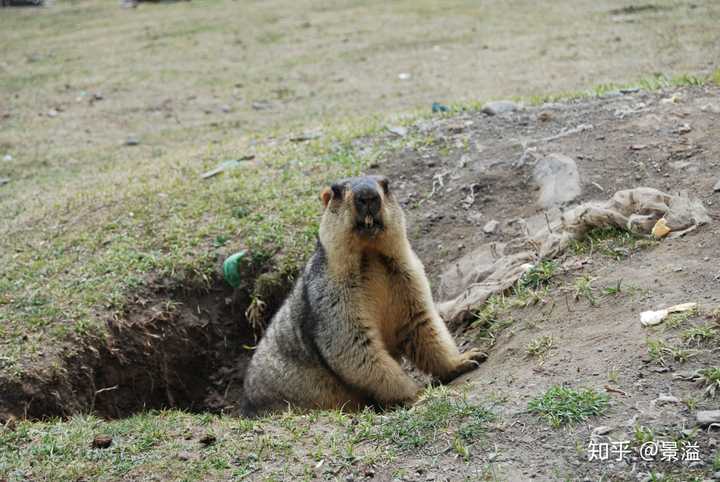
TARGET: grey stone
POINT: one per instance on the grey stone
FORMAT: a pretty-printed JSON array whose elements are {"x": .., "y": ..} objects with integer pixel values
[
  {"x": 132, "y": 141},
  {"x": 559, "y": 180},
  {"x": 499, "y": 107},
  {"x": 491, "y": 227},
  {"x": 716, "y": 188},
  {"x": 4, "y": 180},
  {"x": 398, "y": 130},
  {"x": 706, "y": 417}
]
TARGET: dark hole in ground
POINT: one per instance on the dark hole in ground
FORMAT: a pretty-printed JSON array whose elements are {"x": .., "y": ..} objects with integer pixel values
[{"x": 184, "y": 349}]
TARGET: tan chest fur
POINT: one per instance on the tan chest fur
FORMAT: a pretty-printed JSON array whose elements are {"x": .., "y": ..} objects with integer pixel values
[{"x": 385, "y": 302}]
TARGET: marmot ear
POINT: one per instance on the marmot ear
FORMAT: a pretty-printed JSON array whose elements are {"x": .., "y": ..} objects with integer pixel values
[{"x": 326, "y": 195}]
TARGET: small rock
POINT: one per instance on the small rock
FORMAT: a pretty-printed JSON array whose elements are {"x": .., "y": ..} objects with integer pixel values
[
  {"x": 7, "y": 158},
  {"x": 684, "y": 129},
  {"x": 559, "y": 180},
  {"x": 716, "y": 187},
  {"x": 404, "y": 76},
  {"x": 208, "y": 439},
  {"x": 398, "y": 130},
  {"x": 52, "y": 113},
  {"x": 666, "y": 399},
  {"x": 630, "y": 90},
  {"x": 499, "y": 107},
  {"x": 602, "y": 430},
  {"x": 184, "y": 456},
  {"x": 4, "y": 180},
  {"x": 132, "y": 141},
  {"x": 97, "y": 96},
  {"x": 101, "y": 442},
  {"x": 491, "y": 227},
  {"x": 638, "y": 147},
  {"x": 225, "y": 108},
  {"x": 706, "y": 417}
]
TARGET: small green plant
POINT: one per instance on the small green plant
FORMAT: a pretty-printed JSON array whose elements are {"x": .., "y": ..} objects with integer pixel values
[
  {"x": 674, "y": 320},
  {"x": 710, "y": 380},
  {"x": 561, "y": 405},
  {"x": 642, "y": 434},
  {"x": 699, "y": 335},
  {"x": 584, "y": 289},
  {"x": 681, "y": 355},
  {"x": 614, "y": 375},
  {"x": 538, "y": 347},
  {"x": 657, "y": 349},
  {"x": 615, "y": 290},
  {"x": 539, "y": 275}
]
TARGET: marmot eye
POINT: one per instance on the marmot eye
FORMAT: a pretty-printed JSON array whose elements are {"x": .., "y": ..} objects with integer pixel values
[{"x": 337, "y": 190}]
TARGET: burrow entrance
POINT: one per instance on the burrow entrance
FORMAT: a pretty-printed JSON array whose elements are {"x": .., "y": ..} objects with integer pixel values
[{"x": 172, "y": 348}]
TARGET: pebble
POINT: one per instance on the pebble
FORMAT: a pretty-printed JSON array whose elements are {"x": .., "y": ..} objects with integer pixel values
[
  {"x": 491, "y": 227},
  {"x": 398, "y": 130},
  {"x": 4, "y": 180},
  {"x": 404, "y": 76},
  {"x": 499, "y": 107},
  {"x": 52, "y": 113},
  {"x": 7, "y": 158},
  {"x": 716, "y": 188},
  {"x": 132, "y": 141}
]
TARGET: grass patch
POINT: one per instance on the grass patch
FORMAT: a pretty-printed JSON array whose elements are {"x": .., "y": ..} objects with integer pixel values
[
  {"x": 539, "y": 275},
  {"x": 562, "y": 406},
  {"x": 710, "y": 380},
  {"x": 171, "y": 442},
  {"x": 611, "y": 242},
  {"x": 585, "y": 290},
  {"x": 538, "y": 347},
  {"x": 675, "y": 320},
  {"x": 440, "y": 413},
  {"x": 699, "y": 335}
]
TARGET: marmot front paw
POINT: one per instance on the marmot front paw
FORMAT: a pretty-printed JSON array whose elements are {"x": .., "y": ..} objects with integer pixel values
[{"x": 469, "y": 361}]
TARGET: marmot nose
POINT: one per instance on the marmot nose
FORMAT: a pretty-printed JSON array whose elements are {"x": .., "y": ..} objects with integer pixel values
[{"x": 367, "y": 200}]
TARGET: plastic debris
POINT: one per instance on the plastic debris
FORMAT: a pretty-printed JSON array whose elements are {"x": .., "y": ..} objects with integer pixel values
[
  {"x": 650, "y": 318},
  {"x": 438, "y": 107},
  {"x": 226, "y": 166},
  {"x": 230, "y": 269},
  {"x": 661, "y": 229}
]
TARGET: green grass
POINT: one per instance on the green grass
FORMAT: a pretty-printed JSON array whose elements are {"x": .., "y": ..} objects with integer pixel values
[
  {"x": 282, "y": 446},
  {"x": 538, "y": 347},
  {"x": 539, "y": 275},
  {"x": 699, "y": 335},
  {"x": 564, "y": 406},
  {"x": 710, "y": 380},
  {"x": 584, "y": 289},
  {"x": 611, "y": 242}
]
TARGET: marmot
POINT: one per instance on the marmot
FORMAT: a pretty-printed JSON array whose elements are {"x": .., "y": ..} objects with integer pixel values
[{"x": 362, "y": 302}]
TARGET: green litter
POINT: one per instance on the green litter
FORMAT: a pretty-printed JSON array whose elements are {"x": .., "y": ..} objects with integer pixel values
[{"x": 230, "y": 269}]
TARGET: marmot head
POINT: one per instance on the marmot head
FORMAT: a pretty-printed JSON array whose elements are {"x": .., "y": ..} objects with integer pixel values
[{"x": 361, "y": 211}]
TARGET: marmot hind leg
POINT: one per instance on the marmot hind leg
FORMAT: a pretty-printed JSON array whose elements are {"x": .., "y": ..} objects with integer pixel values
[{"x": 431, "y": 347}]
